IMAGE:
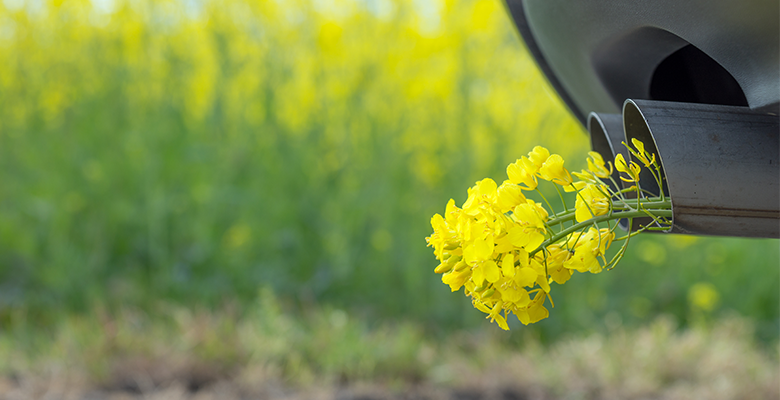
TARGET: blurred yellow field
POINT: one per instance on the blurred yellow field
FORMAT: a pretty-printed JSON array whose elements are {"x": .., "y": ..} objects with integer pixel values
[{"x": 174, "y": 148}]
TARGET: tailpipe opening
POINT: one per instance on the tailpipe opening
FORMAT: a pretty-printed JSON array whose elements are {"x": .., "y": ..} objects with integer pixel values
[{"x": 720, "y": 165}]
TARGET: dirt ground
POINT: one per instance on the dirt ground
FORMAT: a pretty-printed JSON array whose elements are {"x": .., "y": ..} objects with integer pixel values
[{"x": 654, "y": 363}]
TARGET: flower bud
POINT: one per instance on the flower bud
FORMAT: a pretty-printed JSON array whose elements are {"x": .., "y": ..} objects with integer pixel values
[{"x": 487, "y": 293}]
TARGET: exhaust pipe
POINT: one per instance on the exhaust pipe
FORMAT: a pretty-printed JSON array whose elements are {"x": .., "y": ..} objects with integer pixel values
[
  {"x": 721, "y": 165},
  {"x": 606, "y": 135}
]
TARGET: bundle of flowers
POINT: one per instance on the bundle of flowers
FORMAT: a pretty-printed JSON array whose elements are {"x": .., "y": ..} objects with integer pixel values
[{"x": 505, "y": 250}]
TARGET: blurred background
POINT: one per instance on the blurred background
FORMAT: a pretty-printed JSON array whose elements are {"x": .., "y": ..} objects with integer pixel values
[{"x": 244, "y": 187}]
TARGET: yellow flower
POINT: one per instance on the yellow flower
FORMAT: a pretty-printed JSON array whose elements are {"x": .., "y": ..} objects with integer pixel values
[
  {"x": 528, "y": 214},
  {"x": 508, "y": 265},
  {"x": 555, "y": 259},
  {"x": 448, "y": 264},
  {"x": 703, "y": 296},
  {"x": 452, "y": 213},
  {"x": 537, "y": 264},
  {"x": 482, "y": 193},
  {"x": 646, "y": 158},
  {"x": 509, "y": 196},
  {"x": 479, "y": 305},
  {"x": 456, "y": 279},
  {"x": 526, "y": 277},
  {"x": 535, "y": 311},
  {"x": 494, "y": 313},
  {"x": 524, "y": 236},
  {"x": 443, "y": 236},
  {"x": 632, "y": 169},
  {"x": 591, "y": 202},
  {"x": 518, "y": 174},
  {"x": 529, "y": 231},
  {"x": 486, "y": 271},
  {"x": 586, "y": 178},
  {"x": 516, "y": 296},
  {"x": 583, "y": 260},
  {"x": 478, "y": 249},
  {"x": 597, "y": 166},
  {"x": 553, "y": 170},
  {"x": 497, "y": 317},
  {"x": 588, "y": 248},
  {"x": 538, "y": 156}
]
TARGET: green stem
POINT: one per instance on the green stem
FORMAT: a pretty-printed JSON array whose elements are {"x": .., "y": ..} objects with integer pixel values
[
  {"x": 561, "y": 218},
  {"x": 552, "y": 210},
  {"x": 649, "y": 205},
  {"x": 664, "y": 205},
  {"x": 596, "y": 220},
  {"x": 565, "y": 208},
  {"x": 634, "y": 233}
]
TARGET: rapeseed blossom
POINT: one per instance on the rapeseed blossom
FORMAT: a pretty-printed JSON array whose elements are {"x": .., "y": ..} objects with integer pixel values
[
  {"x": 629, "y": 168},
  {"x": 505, "y": 250}
]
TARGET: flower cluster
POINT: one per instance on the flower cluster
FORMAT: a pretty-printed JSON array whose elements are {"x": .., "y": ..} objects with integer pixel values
[{"x": 505, "y": 249}]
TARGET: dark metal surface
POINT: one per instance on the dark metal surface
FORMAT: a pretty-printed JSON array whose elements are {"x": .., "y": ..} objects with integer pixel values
[
  {"x": 606, "y": 137},
  {"x": 598, "y": 53},
  {"x": 722, "y": 165},
  {"x": 517, "y": 12}
]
